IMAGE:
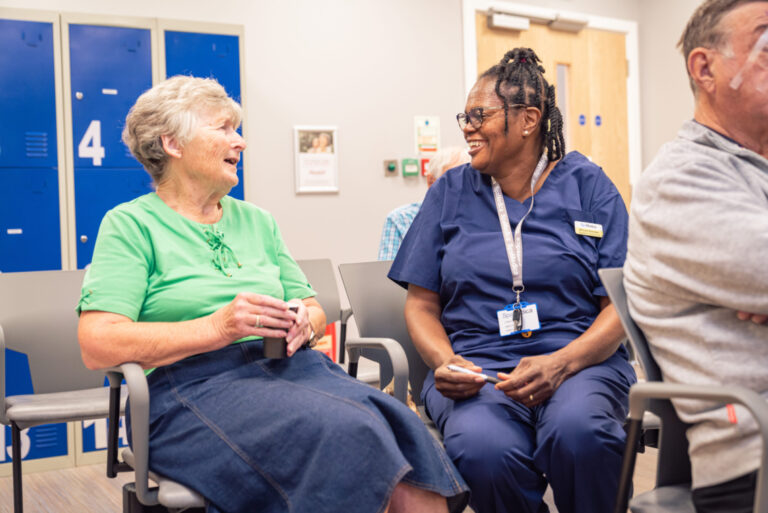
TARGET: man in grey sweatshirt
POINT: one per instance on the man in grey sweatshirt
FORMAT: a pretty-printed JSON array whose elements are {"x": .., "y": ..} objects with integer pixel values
[{"x": 697, "y": 266}]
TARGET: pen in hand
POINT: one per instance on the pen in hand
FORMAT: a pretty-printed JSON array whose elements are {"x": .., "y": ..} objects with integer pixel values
[{"x": 486, "y": 377}]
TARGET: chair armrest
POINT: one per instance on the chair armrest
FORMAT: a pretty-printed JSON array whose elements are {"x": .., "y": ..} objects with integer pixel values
[
  {"x": 114, "y": 465},
  {"x": 396, "y": 355},
  {"x": 138, "y": 391},
  {"x": 641, "y": 393},
  {"x": 344, "y": 316}
]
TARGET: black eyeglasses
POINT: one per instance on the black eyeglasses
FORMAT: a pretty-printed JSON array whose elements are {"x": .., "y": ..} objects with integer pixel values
[{"x": 476, "y": 116}]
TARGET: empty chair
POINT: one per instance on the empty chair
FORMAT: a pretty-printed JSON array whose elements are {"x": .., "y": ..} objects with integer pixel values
[
  {"x": 38, "y": 318},
  {"x": 321, "y": 277},
  {"x": 378, "y": 304}
]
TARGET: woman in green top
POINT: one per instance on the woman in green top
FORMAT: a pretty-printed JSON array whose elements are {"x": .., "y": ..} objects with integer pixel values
[{"x": 186, "y": 281}]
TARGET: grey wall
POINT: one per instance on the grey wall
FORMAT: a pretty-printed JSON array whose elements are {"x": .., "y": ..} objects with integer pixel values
[{"x": 369, "y": 66}]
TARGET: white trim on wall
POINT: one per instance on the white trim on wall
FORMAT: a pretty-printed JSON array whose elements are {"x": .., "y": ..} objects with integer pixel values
[{"x": 470, "y": 7}]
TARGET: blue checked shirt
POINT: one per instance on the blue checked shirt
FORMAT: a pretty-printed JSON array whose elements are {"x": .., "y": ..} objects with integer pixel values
[{"x": 395, "y": 227}]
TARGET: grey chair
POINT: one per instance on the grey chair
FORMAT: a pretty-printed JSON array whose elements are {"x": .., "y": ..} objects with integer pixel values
[
  {"x": 38, "y": 318},
  {"x": 320, "y": 274},
  {"x": 378, "y": 305},
  {"x": 140, "y": 496},
  {"x": 672, "y": 493}
]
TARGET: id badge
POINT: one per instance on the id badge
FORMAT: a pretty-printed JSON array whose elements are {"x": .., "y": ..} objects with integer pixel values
[{"x": 511, "y": 322}]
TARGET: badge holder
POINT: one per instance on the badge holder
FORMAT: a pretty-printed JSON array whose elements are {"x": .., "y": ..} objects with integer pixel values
[{"x": 517, "y": 318}]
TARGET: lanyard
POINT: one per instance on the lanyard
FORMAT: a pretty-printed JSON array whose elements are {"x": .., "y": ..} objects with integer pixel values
[{"x": 514, "y": 243}]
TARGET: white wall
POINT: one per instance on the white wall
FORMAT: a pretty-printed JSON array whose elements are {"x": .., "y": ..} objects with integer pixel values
[
  {"x": 666, "y": 97},
  {"x": 365, "y": 66},
  {"x": 369, "y": 66}
]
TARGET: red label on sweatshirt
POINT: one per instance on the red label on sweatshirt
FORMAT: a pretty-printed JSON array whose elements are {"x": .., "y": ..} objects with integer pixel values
[{"x": 731, "y": 414}]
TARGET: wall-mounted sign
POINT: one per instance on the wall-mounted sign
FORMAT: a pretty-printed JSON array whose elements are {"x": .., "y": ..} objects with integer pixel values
[
  {"x": 316, "y": 152},
  {"x": 427, "y": 133}
]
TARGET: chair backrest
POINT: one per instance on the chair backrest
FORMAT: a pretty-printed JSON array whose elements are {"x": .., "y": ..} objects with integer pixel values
[
  {"x": 38, "y": 318},
  {"x": 378, "y": 305},
  {"x": 674, "y": 466},
  {"x": 613, "y": 280},
  {"x": 321, "y": 277}
]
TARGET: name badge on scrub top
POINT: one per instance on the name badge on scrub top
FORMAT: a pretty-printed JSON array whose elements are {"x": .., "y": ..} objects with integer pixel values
[
  {"x": 589, "y": 229},
  {"x": 518, "y": 318}
]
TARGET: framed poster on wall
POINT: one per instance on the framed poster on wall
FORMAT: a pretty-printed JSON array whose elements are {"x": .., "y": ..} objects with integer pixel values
[{"x": 316, "y": 150}]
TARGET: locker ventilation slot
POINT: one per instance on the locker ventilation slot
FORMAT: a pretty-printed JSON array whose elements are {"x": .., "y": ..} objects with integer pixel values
[{"x": 36, "y": 144}]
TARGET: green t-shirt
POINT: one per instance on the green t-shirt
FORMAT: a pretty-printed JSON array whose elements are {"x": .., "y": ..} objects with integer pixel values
[{"x": 152, "y": 264}]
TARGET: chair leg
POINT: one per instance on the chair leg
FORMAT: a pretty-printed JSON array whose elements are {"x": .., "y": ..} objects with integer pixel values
[
  {"x": 352, "y": 369},
  {"x": 18, "y": 497},
  {"x": 628, "y": 467},
  {"x": 131, "y": 503}
]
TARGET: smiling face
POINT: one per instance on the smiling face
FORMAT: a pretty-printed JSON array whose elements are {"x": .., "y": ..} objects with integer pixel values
[
  {"x": 489, "y": 147},
  {"x": 211, "y": 155}
]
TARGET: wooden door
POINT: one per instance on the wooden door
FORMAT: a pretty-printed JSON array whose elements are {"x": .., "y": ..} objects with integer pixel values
[{"x": 594, "y": 103}]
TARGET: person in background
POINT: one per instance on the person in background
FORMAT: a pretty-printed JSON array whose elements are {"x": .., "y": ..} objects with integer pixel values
[
  {"x": 698, "y": 241},
  {"x": 187, "y": 281},
  {"x": 399, "y": 220},
  {"x": 501, "y": 269}
]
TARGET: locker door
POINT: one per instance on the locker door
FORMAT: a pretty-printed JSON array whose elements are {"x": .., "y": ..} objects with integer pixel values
[
  {"x": 30, "y": 236},
  {"x": 109, "y": 68},
  {"x": 208, "y": 56}
]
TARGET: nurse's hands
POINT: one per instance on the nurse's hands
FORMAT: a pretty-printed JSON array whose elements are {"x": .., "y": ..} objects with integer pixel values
[
  {"x": 457, "y": 385},
  {"x": 534, "y": 380}
]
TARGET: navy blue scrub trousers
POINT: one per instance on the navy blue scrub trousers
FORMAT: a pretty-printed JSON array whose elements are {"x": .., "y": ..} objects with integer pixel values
[{"x": 507, "y": 452}]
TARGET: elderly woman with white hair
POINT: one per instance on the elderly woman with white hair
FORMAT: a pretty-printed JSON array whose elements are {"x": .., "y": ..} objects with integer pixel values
[{"x": 188, "y": 282}]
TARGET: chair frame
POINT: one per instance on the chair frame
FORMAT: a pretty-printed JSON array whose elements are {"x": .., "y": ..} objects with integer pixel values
[
  {"x": 673, "y": 467},
  {"x": 71, "y": 392}
]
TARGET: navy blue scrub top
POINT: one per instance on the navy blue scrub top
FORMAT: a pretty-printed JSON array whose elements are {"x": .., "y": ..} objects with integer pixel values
[{"x": 455, "y": 248}]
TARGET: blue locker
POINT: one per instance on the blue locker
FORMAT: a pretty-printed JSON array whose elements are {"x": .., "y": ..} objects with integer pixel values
[
  {"x": 30, "y": 238},
  {"x": 109, "y": 68},
  {"x": 209, "y": 56},
  {"x": 122, "y": 185}
]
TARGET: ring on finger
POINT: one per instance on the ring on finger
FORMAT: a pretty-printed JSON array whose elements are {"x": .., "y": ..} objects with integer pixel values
[{"x": 258, "y": 322}]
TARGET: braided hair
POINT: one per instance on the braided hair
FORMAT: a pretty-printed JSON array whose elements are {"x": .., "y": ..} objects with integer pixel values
[{"x": 520, "y": 79}]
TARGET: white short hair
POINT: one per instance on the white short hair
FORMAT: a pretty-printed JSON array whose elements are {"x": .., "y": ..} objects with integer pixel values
[
  {"x": 171, "y": 108},
  {"x": 439, "y": 163}
]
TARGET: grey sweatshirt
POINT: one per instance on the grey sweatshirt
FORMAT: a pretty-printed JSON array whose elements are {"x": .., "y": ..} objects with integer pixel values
[{"x": 698, "y": 253}]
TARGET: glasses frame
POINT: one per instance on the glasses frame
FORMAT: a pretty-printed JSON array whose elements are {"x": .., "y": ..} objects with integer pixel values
[{"x": 477, "y": 115}]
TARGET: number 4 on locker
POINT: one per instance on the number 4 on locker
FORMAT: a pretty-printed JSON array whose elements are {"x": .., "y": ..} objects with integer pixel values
[{"x": 90, "y": 145}]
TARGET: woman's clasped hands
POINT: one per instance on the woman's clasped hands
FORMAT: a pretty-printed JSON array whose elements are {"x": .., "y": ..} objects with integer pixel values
[{"x": 251, "y": 314}]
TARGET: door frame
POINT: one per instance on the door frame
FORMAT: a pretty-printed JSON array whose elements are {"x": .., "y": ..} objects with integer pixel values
[{"x": 629, "y": 28}]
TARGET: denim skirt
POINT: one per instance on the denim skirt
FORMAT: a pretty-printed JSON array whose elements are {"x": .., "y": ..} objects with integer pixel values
[{"x": 253, "y": 434}]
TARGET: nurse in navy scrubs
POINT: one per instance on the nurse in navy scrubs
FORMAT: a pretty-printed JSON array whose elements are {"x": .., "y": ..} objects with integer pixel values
[{"x": 501, "y": 269}]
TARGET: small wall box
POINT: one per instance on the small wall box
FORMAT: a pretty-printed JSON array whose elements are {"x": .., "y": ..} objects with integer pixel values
[{"x": 410, "y": 167}]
